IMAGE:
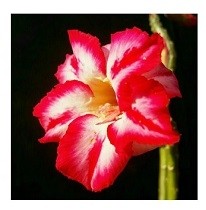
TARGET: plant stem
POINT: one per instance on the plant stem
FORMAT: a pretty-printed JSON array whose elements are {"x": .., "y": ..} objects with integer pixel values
[
  {"x": 168, "y": 154},
  {"x": 162, "y": 174},
  {"x": 171, "y": 172}
]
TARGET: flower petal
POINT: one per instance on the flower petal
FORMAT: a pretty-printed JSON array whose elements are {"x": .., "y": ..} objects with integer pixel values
[
  {"x": 106, "y": 49},
  {"x": 86, "y": 155},
  {"x": 165, "y": 77},
  {"x": 89, "y": 55},
  {"x": 124, "y": 132},
  {"x": 145, "y": 100},
  {"x": 68, "y": 70},
  {"x": 133, "y": 50},
  {"x": 55, "y": 134},
  {"x": 139, "y": 149},
  {"x": 145, "y": 118},
  {"x": 87, "y": 62},
  {"x": 62, "y": 104}
]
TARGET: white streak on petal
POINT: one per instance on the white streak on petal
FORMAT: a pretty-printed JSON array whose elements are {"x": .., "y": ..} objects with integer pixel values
[{"x": 67, "y": 101}]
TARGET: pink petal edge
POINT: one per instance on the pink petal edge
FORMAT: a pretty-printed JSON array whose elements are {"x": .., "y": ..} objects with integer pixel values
[
  {"x": 145, "y": 117},
  {"x": 62, "y": 104},
  {"x": 86, "y": 155},
  {"x": 131, "y": 51},
  {"x": 166, "y": 78},
  {"x": 89, "y": 55}
]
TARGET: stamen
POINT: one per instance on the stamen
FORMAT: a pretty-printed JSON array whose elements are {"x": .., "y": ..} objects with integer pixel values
[{"x": 108, "y": 113}]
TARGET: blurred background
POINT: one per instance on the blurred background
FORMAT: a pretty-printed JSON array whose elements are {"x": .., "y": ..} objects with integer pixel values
[{"x": 39, "y": 44}]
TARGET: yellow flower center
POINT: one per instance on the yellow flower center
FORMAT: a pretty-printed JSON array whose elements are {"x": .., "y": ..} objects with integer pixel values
[{"x": 103, "y": 104}]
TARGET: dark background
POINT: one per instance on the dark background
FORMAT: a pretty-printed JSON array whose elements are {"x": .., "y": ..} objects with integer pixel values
[{"x": 39, "y": 44}]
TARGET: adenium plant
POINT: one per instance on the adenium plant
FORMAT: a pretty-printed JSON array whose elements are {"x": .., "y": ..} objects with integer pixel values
[{"x": 111, "y": 103}]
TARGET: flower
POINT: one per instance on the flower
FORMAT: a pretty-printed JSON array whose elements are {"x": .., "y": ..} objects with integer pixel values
[{"x": 111, "y": 103}]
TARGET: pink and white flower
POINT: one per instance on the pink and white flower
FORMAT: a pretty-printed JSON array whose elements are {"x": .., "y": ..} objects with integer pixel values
[{"x": 111, "y": 103}]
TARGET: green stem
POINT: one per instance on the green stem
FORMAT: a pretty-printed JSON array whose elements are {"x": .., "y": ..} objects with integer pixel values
[
  {"x": 171, "y": 172},
  {"x": 168, "y": 154},
  {"x": 162, "y": 174}
]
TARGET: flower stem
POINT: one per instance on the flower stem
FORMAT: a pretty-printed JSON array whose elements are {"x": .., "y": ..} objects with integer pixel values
[
  {"x": 168, "y": 187},
  {"x": 171, "y": 172},
  {"x": 162, "y": 173}
]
